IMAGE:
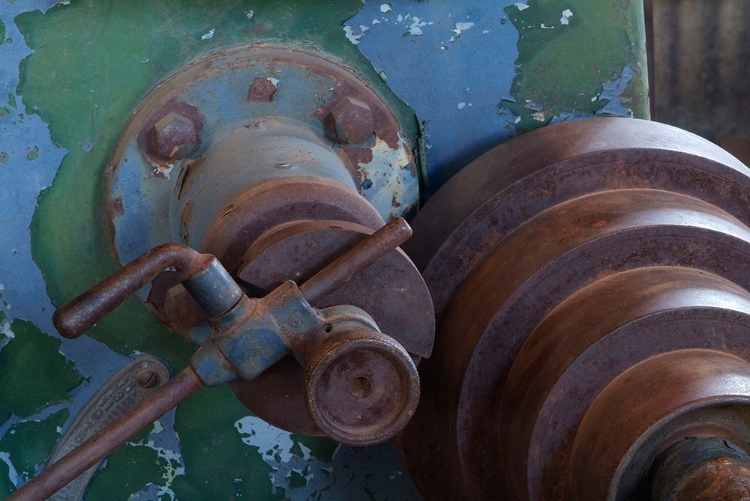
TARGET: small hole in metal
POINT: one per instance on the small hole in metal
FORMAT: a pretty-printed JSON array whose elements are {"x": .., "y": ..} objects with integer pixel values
[{"x": 360, "y": 386}]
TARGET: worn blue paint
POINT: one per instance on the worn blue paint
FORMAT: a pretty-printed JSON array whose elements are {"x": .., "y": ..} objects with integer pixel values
[{"x": 452, "y": 61}]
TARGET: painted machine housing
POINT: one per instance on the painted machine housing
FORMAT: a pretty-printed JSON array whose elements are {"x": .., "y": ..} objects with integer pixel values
[{"x": 462, "y": 76}]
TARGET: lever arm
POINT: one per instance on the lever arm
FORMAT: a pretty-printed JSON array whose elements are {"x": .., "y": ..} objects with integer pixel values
[{"x": 109, "y": 438}]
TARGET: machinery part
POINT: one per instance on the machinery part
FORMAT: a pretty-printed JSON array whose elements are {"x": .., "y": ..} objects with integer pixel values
[
  {"x": 296, "y": 250},
  {"x": 278, "y": 98},
  {"x": 128, "y": 387},
  {"x": 267, "y": 194},
  {"x": 248, "y": 336},
  {"x": 701, "y": 469},
  {"x": 361, "y": 385},
  {"x": 559, "y": 263}
]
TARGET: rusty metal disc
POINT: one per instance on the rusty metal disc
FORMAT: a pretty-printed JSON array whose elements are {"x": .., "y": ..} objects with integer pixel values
[
  {"x": 499, "y": 191},
  {"x": 652, "y": 406},
  {"x": 297, "y": 250},
  {"x": 514, "y": 238}
]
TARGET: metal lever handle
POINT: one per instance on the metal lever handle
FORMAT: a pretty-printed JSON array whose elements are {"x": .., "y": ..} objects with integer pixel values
[
  {"x": 201, "y": 274},
  {"x": 109, "y": 438},
  {"x": 83, "y": 312}
]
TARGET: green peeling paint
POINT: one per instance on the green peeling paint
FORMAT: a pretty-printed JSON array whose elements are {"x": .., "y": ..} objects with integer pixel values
[
  {"x": 561, "y": 67},
  {"x": 129, "y": 469},
  {"x": 2, "y": 32},
  {"x": 85, "y": 77},
  {"x": 203, "y": 434},
  {"x": 30, "y": 443},
  {"x": 34, "y": 373}
]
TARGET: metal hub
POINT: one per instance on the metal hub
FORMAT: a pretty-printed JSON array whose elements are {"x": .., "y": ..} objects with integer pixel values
[
  {"x": 296, "y": 110},
  {"x": 559, "y": 263}
]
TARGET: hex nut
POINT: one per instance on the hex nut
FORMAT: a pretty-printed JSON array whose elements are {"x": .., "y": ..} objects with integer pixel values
[
  {"x": 174, "y": 136},
  {"x": 261, "y": 91},
  {"x": 350, "y": 121}
]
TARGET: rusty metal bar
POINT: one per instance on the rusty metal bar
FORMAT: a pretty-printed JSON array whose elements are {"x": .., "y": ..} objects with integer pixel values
[
  {"x": 359, "y": 258},
  {"x": 109, "y": 438},
  {"x": 80, "y": 314}
]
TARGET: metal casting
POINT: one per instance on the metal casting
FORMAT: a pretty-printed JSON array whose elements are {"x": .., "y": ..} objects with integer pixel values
[
  {"x": 362, "y": 386},
  {"x": 129, "y": 386},
  {"x": 591, "y": 284}
]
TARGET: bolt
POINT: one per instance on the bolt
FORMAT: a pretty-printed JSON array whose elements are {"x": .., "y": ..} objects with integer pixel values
[
  {"x": 350, "y": 121},
  {"x": 261, "y": 91},
  {"x": 147, "y": 379},
  {"x": 174, "y": 136}
]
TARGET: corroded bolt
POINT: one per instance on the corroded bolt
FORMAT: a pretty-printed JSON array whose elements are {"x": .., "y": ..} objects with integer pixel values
[
  {"x": 174, "y": 136},
  {"x": 261, "y": 91},
  {"x": 350, "y": 121}
]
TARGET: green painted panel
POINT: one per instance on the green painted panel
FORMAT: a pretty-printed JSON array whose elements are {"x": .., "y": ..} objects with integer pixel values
[
  {"x": 29, "y": 443},
  {"x": 132, "y": 466},
  {"x": 34, "y": 373},
  {"x": 205, "y": 433},
  {"x": 568, "y": 50},
  {"x": 6, "y": 487}
]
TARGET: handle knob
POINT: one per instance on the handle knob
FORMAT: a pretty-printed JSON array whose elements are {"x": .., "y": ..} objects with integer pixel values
[{"x": 362, "y": 387}]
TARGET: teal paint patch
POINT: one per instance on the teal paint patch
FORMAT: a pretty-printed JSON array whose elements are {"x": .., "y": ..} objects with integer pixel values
[
  {"x": 34, "y": 373},
  {"x": 134, "y": 465},
  {"x": 557, "y": 78},
  {"x": 6, "y": 486},
  {"x": 205, "y": 434},
  {"x": 28, "y": 444}
]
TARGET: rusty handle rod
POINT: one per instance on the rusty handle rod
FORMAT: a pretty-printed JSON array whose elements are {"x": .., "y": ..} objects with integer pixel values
[
  {"x": 80, "y": 314},
  {"x": 101, "y": 444},
  {"x": 356, "y": 260}
]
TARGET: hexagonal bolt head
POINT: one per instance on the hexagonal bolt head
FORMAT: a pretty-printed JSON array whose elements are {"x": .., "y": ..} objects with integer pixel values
[
  {"x": 174, "y": 136},
  {"x": 350, "y": 121},
  {"x": 261, "y": 91}
]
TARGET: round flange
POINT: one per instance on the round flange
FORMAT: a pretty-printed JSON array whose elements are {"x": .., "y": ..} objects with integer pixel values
[{"x": 211, "y": 99}]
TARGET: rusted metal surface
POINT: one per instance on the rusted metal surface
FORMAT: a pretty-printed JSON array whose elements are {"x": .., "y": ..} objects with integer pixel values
[
  {"x": 681, "y": 394},
  {"x": 109, "y": 438},
  {"x": 514, "y": 182},
  {"x": 362, "y": 387},
  {"x": 361, "y": 256},
  {"x": 79, "y": 315},
  {"x": 721, "y": 479},
  {"x": 129, "y": 386},
  {"x": 350, "y": 121},
  {"x": 261, "y": 90},
  {"x": 701, "y": 468},
  {"x": 170, "y": 131},
  {"x": 296, "y": 250},
  {"x": 557, "y": 263},
  {"x": 245, "y": 91}
]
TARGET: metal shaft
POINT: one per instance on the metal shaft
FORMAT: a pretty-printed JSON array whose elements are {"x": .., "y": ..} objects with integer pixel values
[
  {"x": 109, "y": 438},
  {"x": 359, "y": 258}
]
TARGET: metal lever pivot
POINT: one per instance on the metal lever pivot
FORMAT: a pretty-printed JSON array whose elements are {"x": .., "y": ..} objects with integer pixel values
[{"x": 250, "y": 335}]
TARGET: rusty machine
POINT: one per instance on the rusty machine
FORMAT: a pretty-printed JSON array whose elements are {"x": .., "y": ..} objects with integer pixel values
[{"x": 567, "y": 319}]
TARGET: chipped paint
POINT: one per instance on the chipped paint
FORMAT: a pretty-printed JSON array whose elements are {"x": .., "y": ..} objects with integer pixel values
[
  {"x": 297, "y": 473},
  {"x": 386, "y": 176},
  {"x": 432, "y": 71},
  {"x": 615, "y": 95}
]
